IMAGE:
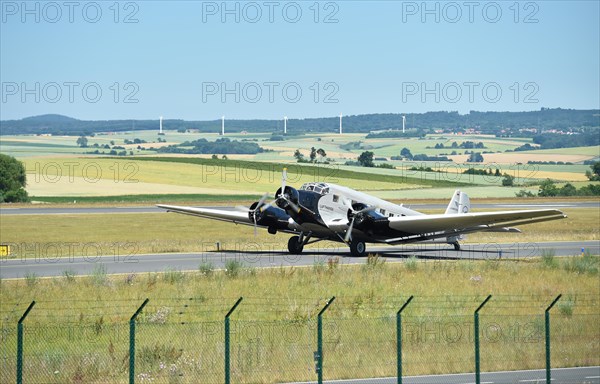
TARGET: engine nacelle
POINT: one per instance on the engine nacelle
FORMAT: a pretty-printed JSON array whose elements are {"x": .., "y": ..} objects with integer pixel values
[
  {"x": 271, "y": 217},
  {"x": 364, "y": 220},
  {"x": 290, "y": 194}
]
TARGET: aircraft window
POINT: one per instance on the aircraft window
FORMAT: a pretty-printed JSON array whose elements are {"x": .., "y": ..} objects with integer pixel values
[
  {"x": 325, "y": 191},
  {"x": 382, "y": 212},
  {"x": 336, "y": 198},
  {"x": 318, "y": 189},
  {"x": 391, "y": 215},
  {"x": 309, "y": 188}
]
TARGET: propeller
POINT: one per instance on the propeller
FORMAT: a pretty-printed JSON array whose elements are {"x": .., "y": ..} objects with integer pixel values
[
  {"x": 256, "y": 209},
  {"x": 282, "y": 196},
  {"x": 348, "y": 236}
]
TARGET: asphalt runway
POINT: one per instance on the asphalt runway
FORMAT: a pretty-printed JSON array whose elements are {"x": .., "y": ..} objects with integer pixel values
[
  {"x": 43, "y": 265},
  {"x": 153, "y": 209},
  {"x": 579, "y": 375}
]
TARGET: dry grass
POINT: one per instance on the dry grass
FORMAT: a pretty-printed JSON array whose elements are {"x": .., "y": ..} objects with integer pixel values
[
  {"x": 79, "y": 326},
  {"x": 168, "y": 232}
]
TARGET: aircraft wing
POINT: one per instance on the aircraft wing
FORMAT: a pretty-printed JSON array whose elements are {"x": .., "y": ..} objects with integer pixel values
[
  {"x": 229, "y": 215},
  {"x": 432, "y": 226}
]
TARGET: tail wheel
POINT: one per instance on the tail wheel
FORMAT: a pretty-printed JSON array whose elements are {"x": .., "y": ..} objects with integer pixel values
[
  {"x": 358, "y": 248},
  {"x": 295, "y": 247}
]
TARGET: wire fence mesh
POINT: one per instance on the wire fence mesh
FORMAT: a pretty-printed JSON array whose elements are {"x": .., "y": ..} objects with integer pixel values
[{"x": 182, "y": 340}]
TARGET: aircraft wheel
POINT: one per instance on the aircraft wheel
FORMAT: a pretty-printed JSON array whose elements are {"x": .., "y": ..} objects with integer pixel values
[
  {"x": 358, "y": 248},
  {"x": 456, "y": 246},
  {"x": 295, "y": 247}
]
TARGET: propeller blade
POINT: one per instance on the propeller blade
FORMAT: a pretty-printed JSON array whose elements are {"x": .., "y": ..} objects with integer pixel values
[
  {"x": 262, "y": 200},
  {"x": 349, "y": 231},
  {"x": 254, "y": 221},
  {"x": 241, "y": 208},
  {"x": 365, "y": 210},
  {"x": 283, "y": 180},
  {"x": 294, "y": 207},
  {"x": 264, "y": 207}
]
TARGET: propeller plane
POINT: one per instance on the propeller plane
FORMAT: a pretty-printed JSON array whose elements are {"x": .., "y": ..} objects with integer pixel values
[{"x": 324, "y": 211}]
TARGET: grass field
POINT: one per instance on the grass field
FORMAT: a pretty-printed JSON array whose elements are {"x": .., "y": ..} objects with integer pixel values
[
  {"x": 122, "y": 176},
  {"x": 168, "y": 232},
  {"x": 180, "y": 332}
]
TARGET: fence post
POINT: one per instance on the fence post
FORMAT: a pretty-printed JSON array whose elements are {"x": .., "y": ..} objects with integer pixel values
[
  {"x": 227, "y": 367},
  {"x": 320, "y": 341},
  {"x": 20, "y": 343},
  {"x": 399, "y": 338},
  {"x": 547, "y": 321},
  {"x": 476, "y": 315},
  {"x": 132, "y": 342}
]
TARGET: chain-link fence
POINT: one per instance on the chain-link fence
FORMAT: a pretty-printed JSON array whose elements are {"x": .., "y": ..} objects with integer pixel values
[{"x": 186, "y": 340}]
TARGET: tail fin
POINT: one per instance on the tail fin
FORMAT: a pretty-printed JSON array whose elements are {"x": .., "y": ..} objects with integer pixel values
[{"x": 459, "y": 204}]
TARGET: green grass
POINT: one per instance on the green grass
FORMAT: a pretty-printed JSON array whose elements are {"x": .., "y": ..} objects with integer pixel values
[
  {"x": 79, "y": 329},
  {"x": 331, "y": 173}
]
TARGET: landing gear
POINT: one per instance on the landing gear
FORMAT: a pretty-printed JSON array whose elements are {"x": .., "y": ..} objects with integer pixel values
[
  {"x": 456, "y": 246},
  {"x": 358, "y": 248},
  {"x": 295, "y": 245}
]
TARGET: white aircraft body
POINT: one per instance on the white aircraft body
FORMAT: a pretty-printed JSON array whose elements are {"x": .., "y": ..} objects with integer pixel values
[{"x": 325, "y": 211}]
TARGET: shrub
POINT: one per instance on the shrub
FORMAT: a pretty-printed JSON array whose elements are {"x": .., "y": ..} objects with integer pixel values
[
  {"x": 99, "y": 275},
  {"x": 206, "y": 269},
  {"x": 173, "y": 276},
  {"x": 548, "y": 259},
  {"x": 233, "y": 268},
  {"x": 411, "y": 263}
]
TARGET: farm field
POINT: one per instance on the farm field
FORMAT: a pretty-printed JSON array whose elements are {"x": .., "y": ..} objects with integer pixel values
[{"x": 115, "y": 177}]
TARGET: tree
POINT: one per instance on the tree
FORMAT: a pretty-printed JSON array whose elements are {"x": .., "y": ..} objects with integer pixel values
[
  {"x": 313, "y": 154},
  {"x": 508, "y": 180},
  {"x": 12, "y": 180},
  {"x": 366, "y": 159},
  {"x": 321, "y": 152},
  {"x": 405, "y": 152},
  {"x": 82, "y": 142},
  {"x": 548, "y": 189},
  {"x": 475, "y": 157},
  {"x": 568, "y": 190},
  {"x": 299, "y": 156},
  {"x": 594, "y": 174}
]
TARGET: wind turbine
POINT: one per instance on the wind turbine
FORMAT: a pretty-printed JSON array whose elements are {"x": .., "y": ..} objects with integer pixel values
[
  {"x": 340, "y": 123},
  {"x": 223, "y": 125},
  {"x": 284, "y": 125},
  {"x": 160, "y": 125},
  {"x": 403, "y": 123}
]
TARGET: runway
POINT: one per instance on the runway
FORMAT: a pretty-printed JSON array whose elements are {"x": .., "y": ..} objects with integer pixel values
[
  {"x": 579, "y": 375},
  {"x": 31, "y": 263},
  {"x": 152, "y": 209}
]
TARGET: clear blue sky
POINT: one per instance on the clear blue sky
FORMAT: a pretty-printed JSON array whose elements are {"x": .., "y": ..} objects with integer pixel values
[{"x": 193, "y": 59}]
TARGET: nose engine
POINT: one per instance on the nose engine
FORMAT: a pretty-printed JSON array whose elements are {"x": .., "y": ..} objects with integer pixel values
[{"x": 288, "y": 199}]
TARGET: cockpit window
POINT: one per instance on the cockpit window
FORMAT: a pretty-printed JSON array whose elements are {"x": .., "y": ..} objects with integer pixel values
[{"x": 320, "y": 188}]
